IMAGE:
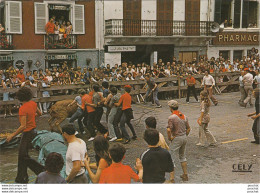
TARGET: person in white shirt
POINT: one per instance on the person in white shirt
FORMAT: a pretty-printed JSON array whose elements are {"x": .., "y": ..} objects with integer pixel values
[
  {"x": 76, "y": 153},
  {"x": 257, "y": 78},
  {"x": 208, "y": 82},
  {"x": 241, "y": 88},
  {"x": 168, "y": 71},
  {"x": 248, "y": 82}
]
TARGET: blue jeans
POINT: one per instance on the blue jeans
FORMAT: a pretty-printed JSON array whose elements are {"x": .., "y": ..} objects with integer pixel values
[
  {"x": 78, "y": 115},
  {"x": 155, "y": 93},
  {"x": 111, "y": 118}
]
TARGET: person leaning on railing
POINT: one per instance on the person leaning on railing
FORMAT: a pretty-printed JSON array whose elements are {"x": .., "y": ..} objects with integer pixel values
[{"x": 49, "y": 28}]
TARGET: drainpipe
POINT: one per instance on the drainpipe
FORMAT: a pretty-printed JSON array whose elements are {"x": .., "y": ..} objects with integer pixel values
[{"x": 99, "y": 35}]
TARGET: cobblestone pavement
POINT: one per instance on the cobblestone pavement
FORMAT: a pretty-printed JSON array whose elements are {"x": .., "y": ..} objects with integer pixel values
[{"x": 229, "y": 124}]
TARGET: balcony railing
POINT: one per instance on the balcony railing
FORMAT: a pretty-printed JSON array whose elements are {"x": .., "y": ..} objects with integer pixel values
[
  {"x": 57, "y": 41},
  {"x": 121, "y": 27},
  {"x": 6, "y": 41}
]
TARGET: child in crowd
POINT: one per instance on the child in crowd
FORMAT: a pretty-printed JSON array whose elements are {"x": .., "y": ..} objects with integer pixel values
[
  {"x": 156, "y": 161},
  {"x": 150, "y": 123},
  {"x": 53, "y": 165},
  {"x": 118, "y": 173}
]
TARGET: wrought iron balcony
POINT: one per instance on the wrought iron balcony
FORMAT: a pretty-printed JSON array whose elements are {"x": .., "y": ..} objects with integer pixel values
[
  {"x": 122, "y": 27},
  {"x": 6, "y": 41},
  {"x": 58, "y": 41}
]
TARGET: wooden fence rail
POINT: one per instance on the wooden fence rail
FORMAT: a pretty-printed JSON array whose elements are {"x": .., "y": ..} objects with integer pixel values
[{"x": 137, "y": 87}]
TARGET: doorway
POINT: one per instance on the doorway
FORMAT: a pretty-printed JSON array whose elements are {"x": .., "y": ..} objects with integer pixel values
[{"x": 187, "y": 56}]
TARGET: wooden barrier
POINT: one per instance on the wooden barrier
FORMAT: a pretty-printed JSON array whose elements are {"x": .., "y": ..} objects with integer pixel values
[{"x": 233, "y": 80}]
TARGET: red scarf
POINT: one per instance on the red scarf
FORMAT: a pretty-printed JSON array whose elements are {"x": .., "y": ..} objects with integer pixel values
[{"x": 179, "y": 114}]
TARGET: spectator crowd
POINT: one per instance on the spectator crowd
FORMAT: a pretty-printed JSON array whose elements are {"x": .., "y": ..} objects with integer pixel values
[{"x": 65, "y": 75}]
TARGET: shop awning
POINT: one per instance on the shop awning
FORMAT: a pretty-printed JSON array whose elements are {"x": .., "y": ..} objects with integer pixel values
[
  {"x": 6, "y": 58},
  {"x": 61, "y": 57}
]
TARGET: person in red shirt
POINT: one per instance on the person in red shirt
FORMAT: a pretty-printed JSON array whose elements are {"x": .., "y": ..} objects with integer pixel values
[
  {"x": 191, "y": 87},
  {"x": 127, "y": 114},
  {"x": 21, "y": 75},
  {"x": 27, "y": 114},
  {"x": 89, "y": 117},
  {"x": 49, "y": 27},
  {"x": 118, "y": 173}
]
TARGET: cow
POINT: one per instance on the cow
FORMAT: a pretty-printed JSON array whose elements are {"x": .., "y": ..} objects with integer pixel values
[{"x": 60, "y": 111}]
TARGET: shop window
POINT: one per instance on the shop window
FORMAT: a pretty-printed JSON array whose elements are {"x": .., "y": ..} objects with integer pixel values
[
  {"x": 238, "y": 54},
  {"x": 224, "y": 54}
]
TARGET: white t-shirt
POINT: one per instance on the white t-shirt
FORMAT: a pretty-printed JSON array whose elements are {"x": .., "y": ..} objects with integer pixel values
[
  {"x": 76, "y": 152},
  {"x": 208, "y": 80}
]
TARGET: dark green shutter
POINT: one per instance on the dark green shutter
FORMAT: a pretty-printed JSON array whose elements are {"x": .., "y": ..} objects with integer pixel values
[
  {"x": 245, "y": 14},
  {"x": 237, "y": 8},
  {"x": 217, "y": 17}
]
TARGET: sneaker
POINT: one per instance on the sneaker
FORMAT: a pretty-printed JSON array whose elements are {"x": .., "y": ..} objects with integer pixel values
[
  {"x": 84, "y": 133},
  {"x": 91, "y": 139},
  {"x": 160, "y": 106},
  {"x": 213, "y": 144},
  {"x": 126, "y": 141},
  {"x": 188, "y": 102},
  {"x": 113, "y": 139},
  {"x": 134, "y": 137},
  {"x": 119, "y": 140},
  {"x": 199, "y": 144},
  {"x": 184, "y": 177},
  {"x": 198, "y": 101}
]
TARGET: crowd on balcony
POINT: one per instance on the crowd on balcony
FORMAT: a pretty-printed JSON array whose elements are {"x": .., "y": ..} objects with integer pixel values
[
  {"x": 59, "y": 32},
  {"x": 12, "y": 78}
]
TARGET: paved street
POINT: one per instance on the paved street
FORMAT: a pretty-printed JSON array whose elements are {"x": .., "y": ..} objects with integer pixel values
[{"x": 229, "y": 124}]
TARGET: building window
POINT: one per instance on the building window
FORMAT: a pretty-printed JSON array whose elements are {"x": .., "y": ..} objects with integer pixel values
[
  {"x": 223, "y": 12},
  {"x": 13, "y": 16},
  {"x": 62, "y": 12},
  {"x": 238, "y": 54},
  {"x": 249, "y": 14},
  {"x": 224, "y": 54}
]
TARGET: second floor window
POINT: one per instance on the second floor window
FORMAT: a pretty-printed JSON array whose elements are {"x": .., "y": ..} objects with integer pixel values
[
  {"x": 237, "y": 13},
  {"x": 62, "y": 14}
]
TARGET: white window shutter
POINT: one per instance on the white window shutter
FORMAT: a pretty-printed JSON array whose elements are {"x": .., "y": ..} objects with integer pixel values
[
  {"x": 14, "y": 17},
  {"x": 78, "y": 19},
  {"x": 40, "y": 17}
]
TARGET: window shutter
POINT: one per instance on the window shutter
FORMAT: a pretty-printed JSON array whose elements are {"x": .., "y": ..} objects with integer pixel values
[
  {"x": 237, "y": 8},
  {"x": 78, "y": 18},
  {"x": 218, "y": 11},
  {"x": 40, "y": 17},
  {"x": 14, "y": 17},
  {"x": 245, "y": 14}
]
